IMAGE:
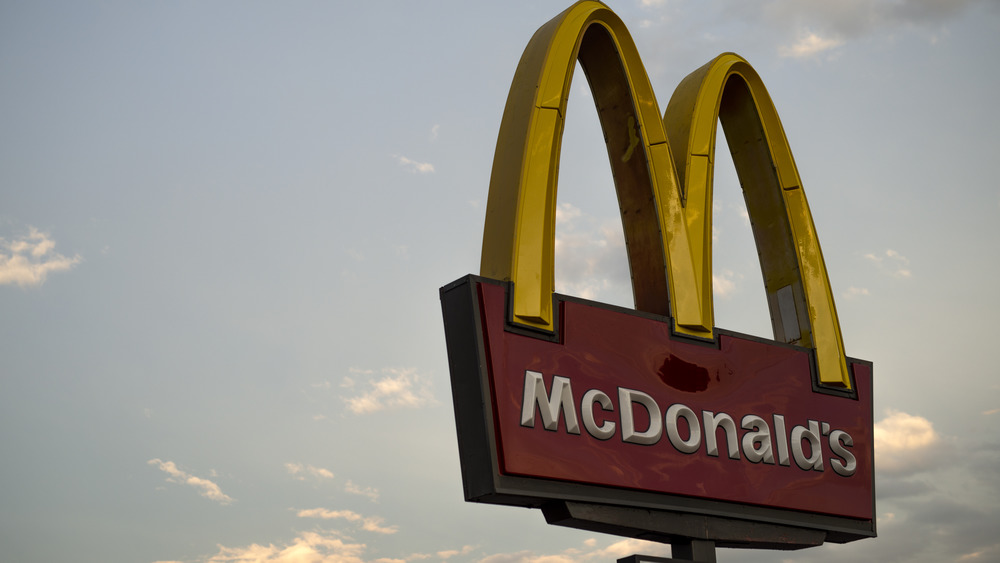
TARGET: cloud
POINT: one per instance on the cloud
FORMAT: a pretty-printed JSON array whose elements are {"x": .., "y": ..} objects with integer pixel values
[
  {"x": 590, "y": 553},
  {"x": 857, "y": 18},
  {"x": 329, "y": 547},
  {"x": 369, "y": 523},
  {"x": 990, "y": 553},
  {"x": 449, "y": 553},
  {"x": 724, "y": 284},
  {"x": 397, "y": 388},
  {"x": 434, "y": 132},
  {"x": 311, "y": 547},
  {"x": 28, "y": 260},
  {"x": 370, "y": 492},
  {"x": 206, "y": 488},
  {"x": 566, "y": 213},
  {"x": 414, "y": 166},
  {"x": 809, "y": 45},
  {"x": 300, "y": 472},
  {"x": 799, "y": 29},
  {"x": 307, "y": 547},
  {"x": 905, "y": 443},
  {"x": 891, "y": 263},
  {"x": 853, "y": 292},
  {"x": 591, "y": 260}
]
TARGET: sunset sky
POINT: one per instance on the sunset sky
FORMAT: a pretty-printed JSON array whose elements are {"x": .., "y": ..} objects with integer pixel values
[{"x": 223, "y": 226}]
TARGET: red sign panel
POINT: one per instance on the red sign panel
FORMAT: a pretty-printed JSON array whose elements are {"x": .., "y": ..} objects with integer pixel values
[
  {"x": 620, "y": 403},
  {"x": 616, "y": 402}
]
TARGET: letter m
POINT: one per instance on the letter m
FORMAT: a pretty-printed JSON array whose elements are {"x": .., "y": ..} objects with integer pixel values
[{"x": 549, "y": 405}]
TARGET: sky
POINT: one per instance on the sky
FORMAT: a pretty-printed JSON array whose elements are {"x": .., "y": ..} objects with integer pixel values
[{"x": 223, "y": 226}]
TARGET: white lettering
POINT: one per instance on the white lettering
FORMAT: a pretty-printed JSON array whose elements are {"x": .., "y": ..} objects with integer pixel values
[
  {"x": 561, "y": 398},
  {"x": 781, "y": 440},
  {"x": 815, "y": 459},
  {"x": 803, "y": 444},
  {"x": 839, "y": 439},
  {"x": 606, "y": 430},
  {"x": 761, "y": 435},
  {"x": 712, "y": 423},
  {"x": 693, "y": 442},
  {"x": 652, "y": 435}
]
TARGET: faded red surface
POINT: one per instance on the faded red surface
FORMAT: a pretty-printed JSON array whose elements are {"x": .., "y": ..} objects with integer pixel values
[{"x": 605, "y": 349}]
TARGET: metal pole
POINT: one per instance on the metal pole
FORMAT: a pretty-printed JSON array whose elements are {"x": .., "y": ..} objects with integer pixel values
[
  {"x": 699, "y": 551},
  {"x": 702, "y": 551}
]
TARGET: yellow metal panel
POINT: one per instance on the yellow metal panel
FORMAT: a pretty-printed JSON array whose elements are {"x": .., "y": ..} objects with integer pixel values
[
  {"x": 691, "y": 311},
  {"x": 534, "y": 257}
]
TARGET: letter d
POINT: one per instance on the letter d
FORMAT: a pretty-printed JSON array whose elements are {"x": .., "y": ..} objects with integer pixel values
[
  {"x": 815, "y": 459},
  {"x": 652, "y": 434}
]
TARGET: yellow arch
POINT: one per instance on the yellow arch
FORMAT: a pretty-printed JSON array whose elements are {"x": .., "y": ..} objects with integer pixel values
[
  {"x": 667, "y": 229},
  {"x": 727, "y": 89}
]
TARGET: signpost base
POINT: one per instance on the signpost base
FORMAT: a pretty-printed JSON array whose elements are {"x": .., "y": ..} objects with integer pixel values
[{"x": 692, "y": 536}]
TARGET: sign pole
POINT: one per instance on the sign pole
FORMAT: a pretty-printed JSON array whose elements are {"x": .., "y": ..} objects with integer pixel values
[
  {"x": 700, "y": 551},
  {"x": 693, "y": 550}
]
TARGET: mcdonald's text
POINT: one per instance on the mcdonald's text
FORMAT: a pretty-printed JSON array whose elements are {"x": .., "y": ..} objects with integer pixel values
[{"x": 686, "y": 431}]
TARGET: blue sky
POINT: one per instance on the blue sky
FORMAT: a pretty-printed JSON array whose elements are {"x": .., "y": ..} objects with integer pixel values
[{"x": 223, "y": 226}]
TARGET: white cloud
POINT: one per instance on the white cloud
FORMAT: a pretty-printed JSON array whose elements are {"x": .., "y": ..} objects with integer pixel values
[
  {"x": 449, "y": 553},
  {"x": 809, "y": 45},
  {"x": 368, "y": 523},
  {"x": 397, "y": 388},
  {"x": 891, "y": 263},
  {"x": 591, "y": 260},
  {"x": 434, "y": 132},
  {"x": 905, "y": 443},
  {"x": 724, "y": 284},
  {"x": 307, "y": 547},
  {"x": 857, "y": 18},
  {"x": 370, "y": 492},
  {"x": 614, "y": 551},
  {"x": 28, "y": 260},
  {"x": 300, "y": 471},
  {"x": 853, "y": 292},
  {"x": 566, "y": 213},
  {"x": 991, "y": 553},
  {"x": 421, "y": 167},
  {"x": 206, "y": 488},
  {"x": 799, "y": 29}
]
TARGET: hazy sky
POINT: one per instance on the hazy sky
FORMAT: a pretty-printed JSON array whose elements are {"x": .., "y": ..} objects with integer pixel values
[{"x": 223, "y": 226}]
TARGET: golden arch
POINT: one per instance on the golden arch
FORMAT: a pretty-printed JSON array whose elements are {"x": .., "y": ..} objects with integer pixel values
[{"x": 663, "y": 177}]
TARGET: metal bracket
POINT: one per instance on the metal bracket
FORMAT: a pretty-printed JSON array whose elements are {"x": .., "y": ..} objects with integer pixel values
[{"x": 692, "y": 536}]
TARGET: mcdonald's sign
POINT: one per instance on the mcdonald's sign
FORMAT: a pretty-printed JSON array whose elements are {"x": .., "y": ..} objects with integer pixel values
[{"x": 653, "y": 422}]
